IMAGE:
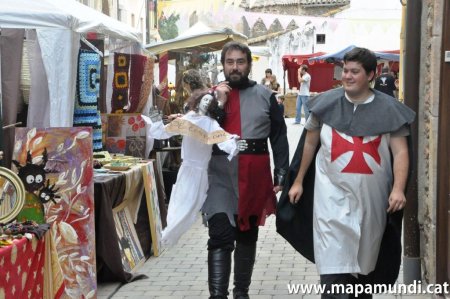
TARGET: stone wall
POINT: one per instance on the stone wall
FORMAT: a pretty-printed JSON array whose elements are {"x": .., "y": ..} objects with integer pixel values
[{"x": 427, "y": 117}]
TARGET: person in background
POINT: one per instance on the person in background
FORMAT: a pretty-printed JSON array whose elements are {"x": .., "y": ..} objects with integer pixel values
[
  {"x": 270, "y": 81},
  {"x": 386, "y": 82},
  {"x": 303, "y": 93},
  {"x": 192, "y": 81},
  {"x": 361, "y": 169},
  {"x": 242, "y": 192}
]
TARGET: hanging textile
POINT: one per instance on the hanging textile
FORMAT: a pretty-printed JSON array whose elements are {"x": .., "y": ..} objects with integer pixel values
[
  {"x": 147, "y": 84},
  {"x": 86, "y": 111},
  {"x": 137, "y": 67},
  {"x": 292, "y": 71},
  {"x": 25, "y": 77},
  {"x": 163, "y": 69},
  {"x": 119, "y": 98}
]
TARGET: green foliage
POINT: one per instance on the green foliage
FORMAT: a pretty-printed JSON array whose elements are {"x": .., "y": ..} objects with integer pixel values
[{"x": 167, "y": 26}]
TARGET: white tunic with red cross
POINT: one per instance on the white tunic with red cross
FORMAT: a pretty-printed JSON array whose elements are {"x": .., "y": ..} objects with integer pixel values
[{"x": 352, "y": 185}]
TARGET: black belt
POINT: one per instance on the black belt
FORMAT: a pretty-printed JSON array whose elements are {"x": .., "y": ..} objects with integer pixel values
[{"x": 254, "y": 147}]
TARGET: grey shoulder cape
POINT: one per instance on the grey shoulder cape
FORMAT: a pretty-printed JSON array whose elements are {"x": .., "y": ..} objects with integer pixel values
[{"x": 294, "y": 222}]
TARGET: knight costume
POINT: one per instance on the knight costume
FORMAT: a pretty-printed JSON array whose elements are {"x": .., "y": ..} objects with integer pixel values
[
  {"x": 340, "y": 221},
  {"x": 240, "y": 194}
]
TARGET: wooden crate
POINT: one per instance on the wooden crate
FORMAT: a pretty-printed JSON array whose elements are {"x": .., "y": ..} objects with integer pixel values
[{"x": 290, "y": 100}]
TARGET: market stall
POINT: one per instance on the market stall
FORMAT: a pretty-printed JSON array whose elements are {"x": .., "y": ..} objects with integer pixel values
[
  {"x": 190, "y": 49},
  {"x": 61, "y": 44},
  {"x": 320, "y": 69},
  {"x": 339, "y": 55},
  {"x": 52, "y": 32},
  {"x": 389, "y": 57}
]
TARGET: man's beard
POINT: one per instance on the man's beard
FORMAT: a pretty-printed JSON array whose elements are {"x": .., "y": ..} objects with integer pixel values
[{"x": 234, "y": 82}]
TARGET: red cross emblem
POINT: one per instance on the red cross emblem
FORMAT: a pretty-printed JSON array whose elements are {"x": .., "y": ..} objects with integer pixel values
[{"x": 357, "y": 164}]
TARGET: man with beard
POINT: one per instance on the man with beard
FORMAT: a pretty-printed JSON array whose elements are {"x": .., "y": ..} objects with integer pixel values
[{"x": 241, "y": 192}]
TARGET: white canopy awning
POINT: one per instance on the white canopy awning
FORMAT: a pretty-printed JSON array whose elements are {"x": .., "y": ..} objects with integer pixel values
[
  {"x": 58, "y": 25},
  {"x": 63, "y": 14},
  {"x": 199, "y": 37}
]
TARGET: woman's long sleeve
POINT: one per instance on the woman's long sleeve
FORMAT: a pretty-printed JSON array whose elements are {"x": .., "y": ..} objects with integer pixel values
[{"x": 157, "y": 131}]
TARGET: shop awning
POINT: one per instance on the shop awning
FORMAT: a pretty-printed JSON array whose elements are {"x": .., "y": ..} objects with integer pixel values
[
  {"x": 339, "y": 55},
  {"x": 57, "y": 14},
  {"x": 199, "y": 37}
]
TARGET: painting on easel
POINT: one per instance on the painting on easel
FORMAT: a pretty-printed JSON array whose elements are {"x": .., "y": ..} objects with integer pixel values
[{"x": 154, "y": 213}]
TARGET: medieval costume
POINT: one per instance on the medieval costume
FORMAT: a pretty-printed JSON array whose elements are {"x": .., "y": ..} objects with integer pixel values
[
  {"x": 189, "y": 192},
  {"x": 340, "y": 220},
  {"x": 241, "y": 195}
]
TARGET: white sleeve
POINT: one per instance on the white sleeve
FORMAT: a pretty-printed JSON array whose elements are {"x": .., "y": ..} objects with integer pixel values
[
  {"x": 230, "y": 146},
  {"x": 157, "y": 131},
  {"x": 308, "y": 78}
]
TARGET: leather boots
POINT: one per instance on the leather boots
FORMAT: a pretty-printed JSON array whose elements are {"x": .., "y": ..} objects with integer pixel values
[
  {"x": 244, "y": 259},
  {"x": 219, "y": 268}
]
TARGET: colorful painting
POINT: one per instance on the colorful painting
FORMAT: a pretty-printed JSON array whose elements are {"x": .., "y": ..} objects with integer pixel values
[
  {"x": 125, "y": 134},
  {"x": 55, "y": 165},
  {"x": 130, "y": 247},
  {"x": 154, "y": 213}
]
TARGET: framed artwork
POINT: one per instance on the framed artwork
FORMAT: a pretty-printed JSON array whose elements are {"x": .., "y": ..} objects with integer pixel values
[
  {"x": 130, "y": 247},
  {"x": 154, "y": 214},
  {"x": 124, "y": 133},
  {"x": 55, "y": 165}
]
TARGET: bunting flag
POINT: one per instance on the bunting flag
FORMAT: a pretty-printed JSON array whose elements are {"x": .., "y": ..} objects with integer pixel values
[
  {"x": 163, "y": 68},
  {"x": 189, "y": 6},
  {"x": 86, "y": 111},
  {"x": 119, "y": 98},
  {"x": 137, "y": 68}
]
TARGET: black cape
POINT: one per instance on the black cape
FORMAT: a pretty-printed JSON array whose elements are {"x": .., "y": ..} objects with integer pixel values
[{"x": 294, "y": 222}]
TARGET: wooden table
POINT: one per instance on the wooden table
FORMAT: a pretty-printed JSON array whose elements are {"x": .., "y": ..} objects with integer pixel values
[{"x": 110, "y": 191}]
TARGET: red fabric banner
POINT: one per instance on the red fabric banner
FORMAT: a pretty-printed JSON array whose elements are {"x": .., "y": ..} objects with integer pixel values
[{"x": 137, "y": 65}]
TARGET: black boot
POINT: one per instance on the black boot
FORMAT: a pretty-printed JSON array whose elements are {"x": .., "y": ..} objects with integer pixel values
[
  {"x": 219, "y": 269},
  {"x": 244, "y": 259}
]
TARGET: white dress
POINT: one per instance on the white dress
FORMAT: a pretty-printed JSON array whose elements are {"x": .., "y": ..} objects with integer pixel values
[{"x": 189, "y": 192}]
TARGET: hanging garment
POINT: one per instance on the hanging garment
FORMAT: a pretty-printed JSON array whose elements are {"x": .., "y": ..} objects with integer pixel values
[
  {"x": 121, "y": 84},
  {"x": 86, "y": 111}
]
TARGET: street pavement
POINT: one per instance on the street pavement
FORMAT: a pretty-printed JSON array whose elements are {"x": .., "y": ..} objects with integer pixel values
[{"x": 180, "y": 272}]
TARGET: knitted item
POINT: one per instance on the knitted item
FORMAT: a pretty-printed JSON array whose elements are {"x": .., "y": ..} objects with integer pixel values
[
  {"x": 86, "y": 111},
  {"x": 146, "y": 84},
  {"x": 119, "y": 98},
  {"x": 137, "y": 65}
]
